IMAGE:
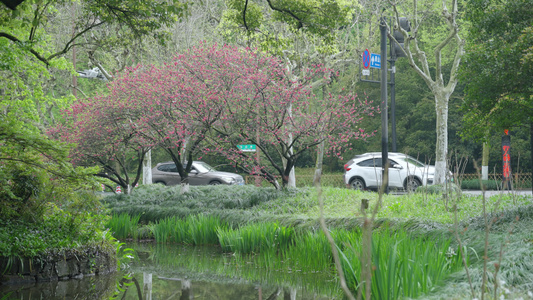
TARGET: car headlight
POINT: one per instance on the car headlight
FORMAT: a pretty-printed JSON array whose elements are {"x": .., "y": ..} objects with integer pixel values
[{"x": 228, "y": 179}]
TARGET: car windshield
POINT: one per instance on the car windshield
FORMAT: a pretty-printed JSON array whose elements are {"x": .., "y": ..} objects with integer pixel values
[
  {"x": 202, "y": 167},
  {"x": 412, "y": 161}
]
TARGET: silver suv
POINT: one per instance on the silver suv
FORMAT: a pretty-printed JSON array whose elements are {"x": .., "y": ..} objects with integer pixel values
[
  {"x": 201, "y": 174},
  {"x": 405, "y": 172}
]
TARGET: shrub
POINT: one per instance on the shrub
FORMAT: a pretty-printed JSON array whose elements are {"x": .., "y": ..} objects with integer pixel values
[
  {"x": 123, "y": 226},
  {"x": 474, "y": 184},
  {"x": 58, "y": 230},
  {"x": 448, "y": 188},
  {"x": 155, "y": 202}
]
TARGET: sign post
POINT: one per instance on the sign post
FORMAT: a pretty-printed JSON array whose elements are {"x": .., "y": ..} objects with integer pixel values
[{"x": 384, "y": 108}]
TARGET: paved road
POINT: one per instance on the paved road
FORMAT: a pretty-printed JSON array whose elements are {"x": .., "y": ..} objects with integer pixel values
[{"x": 492, "y": 193}]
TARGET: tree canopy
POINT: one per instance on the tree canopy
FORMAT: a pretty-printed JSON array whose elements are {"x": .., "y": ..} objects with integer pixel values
[
  {"x": 209, "y": 100},
  {"x": 499, "y": 65}
]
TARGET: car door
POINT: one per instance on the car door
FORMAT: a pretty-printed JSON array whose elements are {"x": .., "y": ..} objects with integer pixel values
[
  {"x": 169, "y": 172},
  {"x": 370, "y": 171},
  {"x": 197, "y": 178},
  {"x": 395, "y": 174}
]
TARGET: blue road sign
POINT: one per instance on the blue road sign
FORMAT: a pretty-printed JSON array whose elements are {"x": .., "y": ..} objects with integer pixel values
[
  {"x": 375, "y": 61},
  {"x": 366, "y": 59}
]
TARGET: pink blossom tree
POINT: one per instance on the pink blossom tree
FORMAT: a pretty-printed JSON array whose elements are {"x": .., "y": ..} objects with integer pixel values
[
  {"x": 177, "y": 103},
  {"x": 283, "y": 119},
  {"x": 104, "y": 134},
  {"x": 211, "y": 99}
]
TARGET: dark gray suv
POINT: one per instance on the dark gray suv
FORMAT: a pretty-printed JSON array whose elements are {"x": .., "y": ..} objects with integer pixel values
[{"x": 201, "y": 174}]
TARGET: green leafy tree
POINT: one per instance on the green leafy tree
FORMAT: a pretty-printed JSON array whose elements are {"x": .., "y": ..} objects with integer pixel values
[
  {"x": 301, "y": 33},
  {"x": 499, "y": 68},
  {"x": 30, "y": 53},
  {"x": 415, "y": 47}
]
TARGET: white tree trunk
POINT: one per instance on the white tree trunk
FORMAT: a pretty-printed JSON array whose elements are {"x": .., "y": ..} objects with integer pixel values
[
  {"x": 185, "y": 188},
  {"x": 441, "y": 107},
  {"x": 147, "y": 168},
  {"x": 485, "y": 162},
  {"x": 319, "y": 160},
  {"x": 292, "y": 176},
  {"x": 292, "y": 179}
]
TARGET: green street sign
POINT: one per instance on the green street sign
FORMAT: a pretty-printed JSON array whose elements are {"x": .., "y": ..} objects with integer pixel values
[{"x": 247, "y": 148}]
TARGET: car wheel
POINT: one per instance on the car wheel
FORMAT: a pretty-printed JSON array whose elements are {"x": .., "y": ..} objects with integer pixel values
[
  {"x": 357, "y": 184},
  {"x": 159, "y": 182},
  {"x": 411, "y": 184},
  {"x": 215, "y": 182}
]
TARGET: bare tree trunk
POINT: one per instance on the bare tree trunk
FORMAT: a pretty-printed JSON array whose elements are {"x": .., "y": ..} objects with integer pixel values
[
  {"x": 319, "y": 160},
  {"x": 147, "y": 168},
  {"x": 184, "y": 184},
  {"x": 291, "y": 183},
  {"x": 441, "y": 107},
  {"x": 485, "y": 162}
]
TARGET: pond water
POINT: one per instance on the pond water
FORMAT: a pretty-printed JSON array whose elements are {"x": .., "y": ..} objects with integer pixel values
[{"x": 181, "y": 272}]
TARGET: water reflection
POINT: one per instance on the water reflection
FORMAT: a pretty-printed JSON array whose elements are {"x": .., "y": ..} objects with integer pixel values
[
  {"x": 185, "y": 273},
  {"x": 88, "y": 288},
  {"x": 179, "y": 272}
]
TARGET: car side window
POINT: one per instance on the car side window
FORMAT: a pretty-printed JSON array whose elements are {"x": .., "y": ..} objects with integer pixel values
[
  {"x": 373, "y": 162},
  {"x": 168, "y": 168},
  {"x": 392, "y": 163}
]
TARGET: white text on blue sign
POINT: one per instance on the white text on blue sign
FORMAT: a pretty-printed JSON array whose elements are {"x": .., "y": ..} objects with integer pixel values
[{"x": 375, "y": 61}]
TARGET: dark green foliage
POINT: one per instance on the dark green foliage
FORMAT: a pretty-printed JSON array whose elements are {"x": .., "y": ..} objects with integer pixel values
[
  {"x": 19, "y": 197},
  {"x": 155, "y": 202},
  {"x": 475, "y": 184},
  {"x": 34, "y": 170},
  {"x": 499, "y": 67},
  {"x": 501, "y": 221},
  {"x": 58, "y": 230}
]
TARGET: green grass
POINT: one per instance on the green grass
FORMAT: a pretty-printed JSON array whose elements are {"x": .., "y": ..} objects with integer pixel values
[
  {"x": 255, "y": 238},
  {"x": 193, "y": 230},
  {"x": 417, "y": 256},
  {"x": 123, "y": 226}
]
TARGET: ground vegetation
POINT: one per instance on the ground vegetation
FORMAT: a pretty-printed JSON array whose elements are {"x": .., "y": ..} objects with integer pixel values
[{"x": 238, "y": 218}]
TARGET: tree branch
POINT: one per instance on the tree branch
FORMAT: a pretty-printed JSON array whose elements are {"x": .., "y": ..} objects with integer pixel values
[
  {"x": 424, "y": 71},
  {"x": 244, "y": 15},
  {"x": 70, "y": 43},
  {"x": 17, "y": 41},
  {"x": 300, "y": 24}
]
